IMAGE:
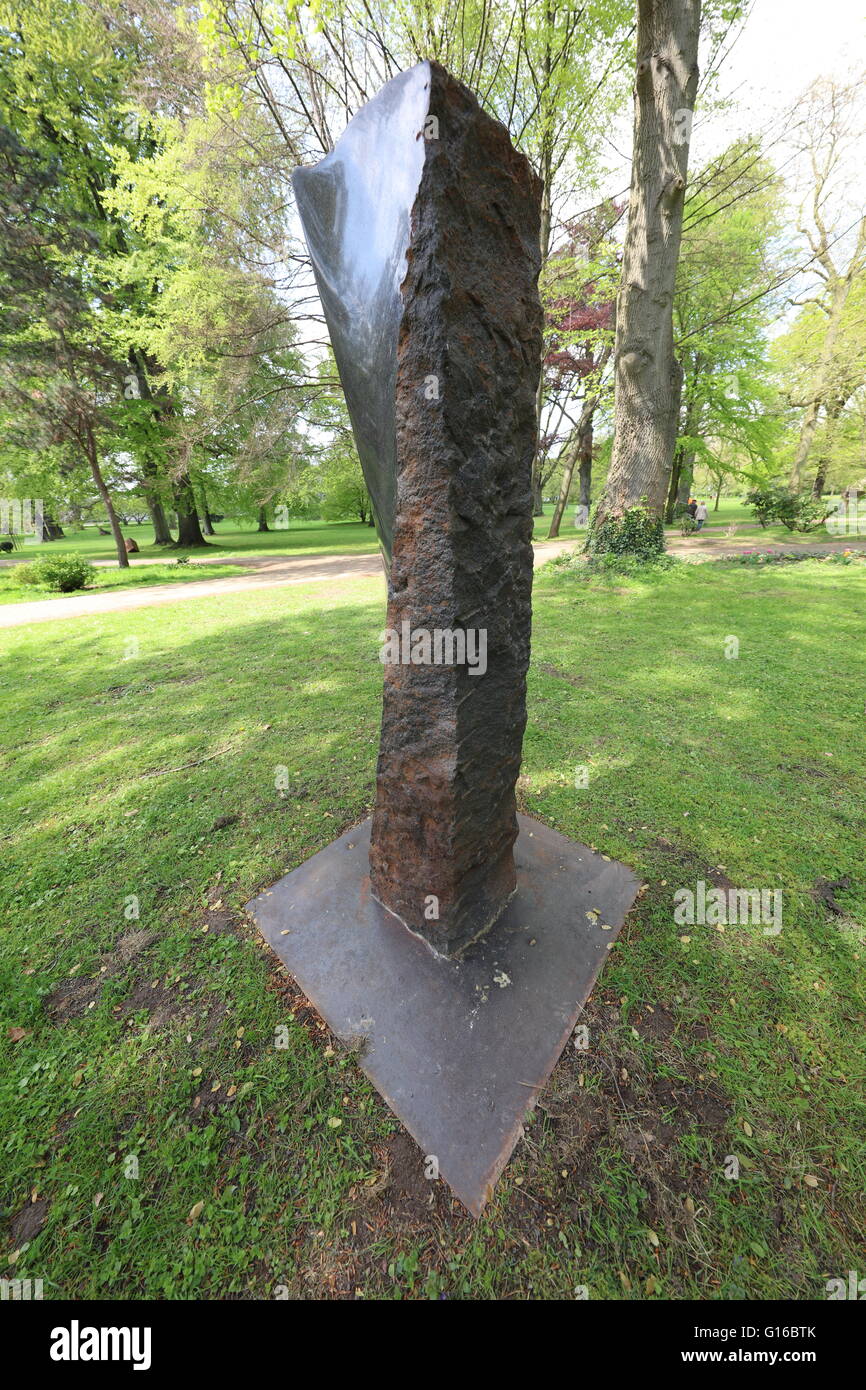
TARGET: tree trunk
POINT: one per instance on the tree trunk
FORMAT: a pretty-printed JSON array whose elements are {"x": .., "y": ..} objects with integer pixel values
[
  {"x": 833, "y": 414},
  {"x": 263, "y": 519},
  {"x": 648, "y": 378},
  {"x": 206, "y": 520},
  {"x": 189, "y": 534},
  {"x": 584, "y": 468},
  {"x": 544, "y": 243},
  {"x": 564, "y": 490},
  {"x": 804, "y": 443},
  {"x": 580, "y": 454},
  {"x": 96, "y": 471},
  {"x": 161, "y": 533},
  {"x": 674, "y": 489},
  {"x": 687, "y": 477},
  {"x": 150, "y": 471},
  {"x": 718, "y": 494}
]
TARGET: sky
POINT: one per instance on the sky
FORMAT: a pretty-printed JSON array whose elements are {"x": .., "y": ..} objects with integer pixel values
[
  {"x": 781, "y": 49},
  {"x": 786, "y": 44}
]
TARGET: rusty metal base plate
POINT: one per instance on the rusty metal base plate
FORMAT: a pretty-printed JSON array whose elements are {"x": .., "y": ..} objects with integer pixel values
[{"x": 458, "y": 1049}]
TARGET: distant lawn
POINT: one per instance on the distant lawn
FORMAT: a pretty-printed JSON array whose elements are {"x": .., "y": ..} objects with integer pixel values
[
  {"x": 133, "y": 578},
  {"x": 736, "y": 514},
  {"x": 302, "y": 537},
  {"x": 299, "y": 538},
  {"x": 146, "y": 1080}
]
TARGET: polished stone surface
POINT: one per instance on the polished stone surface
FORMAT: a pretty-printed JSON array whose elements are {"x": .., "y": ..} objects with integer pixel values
[{"x": 355, "y": 207}]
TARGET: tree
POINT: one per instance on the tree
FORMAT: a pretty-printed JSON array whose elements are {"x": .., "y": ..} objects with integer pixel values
[
  {"x": 830, "y": 142},
  {"x": 648, "y": 377},
  {"x": 578, "y": 293},
  {"x": 806, "y": 360},
  {"x": 722, "y": 313},
  {"x": 552, "y": 72},
  {"x": 59, "y": 381}
]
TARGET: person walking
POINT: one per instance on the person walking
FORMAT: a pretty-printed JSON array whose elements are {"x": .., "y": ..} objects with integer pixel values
[
  {"x": 691, "y": 507},
  {"x": 701, "y": 514}
]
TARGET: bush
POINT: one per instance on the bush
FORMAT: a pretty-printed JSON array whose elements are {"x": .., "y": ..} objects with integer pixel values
[
  {"x": 797, "y": 511},
  {"x": 63, "y": 572},
  {"x": 638, "y": 533},
  {"x": 759, "y": 559},
  {"x": 608, "y": 566}
]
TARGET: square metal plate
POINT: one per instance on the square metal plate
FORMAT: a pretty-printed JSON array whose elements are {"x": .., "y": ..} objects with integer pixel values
[{"x": 458, "y": 1049}]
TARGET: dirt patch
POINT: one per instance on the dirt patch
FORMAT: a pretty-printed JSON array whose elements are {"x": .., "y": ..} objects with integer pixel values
[
  {"x": 72, "y": 998},
  {"x": 162, "y": 1004},
  {"x": 609, "y": 1101},
  {"x": 825, "y": 891},
  {"x": 402, "y": 1196},
  {"x": 548, "y": 670},
  {"x": 655, "y": 1022},
  {"x": 28, "y": 1222},
  {"x": 410, "y": 1194},
  {"x": 692, "y": 864},
  {"x": 206, "y": 1102},
  {"x": 130, "y": 946},
  {"x": 222, "y": 922}
]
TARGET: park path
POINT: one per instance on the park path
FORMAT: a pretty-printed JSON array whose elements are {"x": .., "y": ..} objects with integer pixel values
[
  {"x": 266, "y": 572},
  {"x": 269, "y": 571}
]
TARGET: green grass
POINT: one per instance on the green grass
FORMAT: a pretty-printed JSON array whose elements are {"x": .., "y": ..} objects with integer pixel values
[
  {"x": 138, "y": 576},
  {"x": 298, "y": 538},
  {"x": 728, "y": 1043},
  {"x": 352, "y": 538},
  {"x": 735, "y": 513}
]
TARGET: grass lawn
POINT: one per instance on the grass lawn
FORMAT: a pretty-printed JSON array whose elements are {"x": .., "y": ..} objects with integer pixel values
[
  {"x": 298, "y": 538},
  {"x": 736, "y": 514},
  {"x": 155, "y": 1141},
  {"x": 352, "y": 538},
  {"x": 132, "y": 578}
]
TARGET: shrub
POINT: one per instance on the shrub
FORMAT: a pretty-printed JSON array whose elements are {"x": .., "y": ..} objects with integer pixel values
[
  {"x": 761, "y": 558},
  {"x": 591, "y": 568},
  {"x": 797, "y": 511},
  {"x": 638, "y": 533},
  {"x": 62, "y": 572}
]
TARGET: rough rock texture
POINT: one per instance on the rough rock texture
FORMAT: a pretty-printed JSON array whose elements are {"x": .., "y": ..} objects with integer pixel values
[{"x": 445, "y": 817}]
